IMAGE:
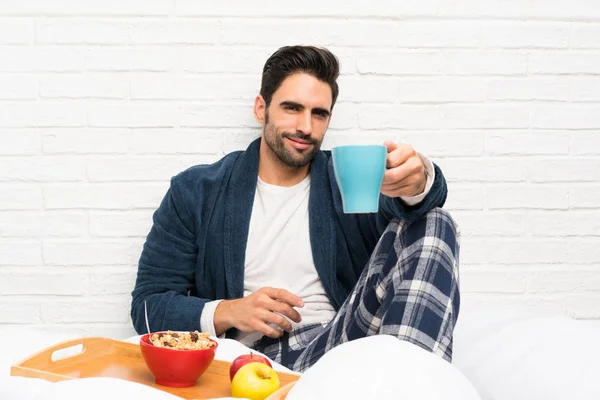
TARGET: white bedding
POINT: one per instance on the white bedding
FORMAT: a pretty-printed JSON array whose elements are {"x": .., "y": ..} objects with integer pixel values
[
  {"x": 513, "y": 355},
  {"x": 504, "y": 354},
  {"x": 31, "y": 341}
]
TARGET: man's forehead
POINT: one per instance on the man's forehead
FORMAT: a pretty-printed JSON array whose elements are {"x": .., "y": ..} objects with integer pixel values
[{"x": 306, "y": 90}]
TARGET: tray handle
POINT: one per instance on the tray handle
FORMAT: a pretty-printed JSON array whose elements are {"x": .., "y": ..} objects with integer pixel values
[{"x": 44, "y": 358}]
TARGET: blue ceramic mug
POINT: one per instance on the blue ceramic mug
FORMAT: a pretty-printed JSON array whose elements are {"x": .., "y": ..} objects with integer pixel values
[{"x": 359, "y": 171}]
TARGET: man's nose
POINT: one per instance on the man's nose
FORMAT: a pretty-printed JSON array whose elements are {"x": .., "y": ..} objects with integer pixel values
[{"x": 304, "y": 123}]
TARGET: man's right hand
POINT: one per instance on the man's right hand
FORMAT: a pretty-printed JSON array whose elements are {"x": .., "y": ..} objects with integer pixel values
[{"x": 256, "y": 311}]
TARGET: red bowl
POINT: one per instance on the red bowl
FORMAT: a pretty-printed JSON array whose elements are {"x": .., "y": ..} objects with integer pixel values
[{"x": 176, "y": 368}]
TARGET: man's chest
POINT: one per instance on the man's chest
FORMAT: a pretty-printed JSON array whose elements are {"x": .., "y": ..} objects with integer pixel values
[{"x": 278, "y": 246}]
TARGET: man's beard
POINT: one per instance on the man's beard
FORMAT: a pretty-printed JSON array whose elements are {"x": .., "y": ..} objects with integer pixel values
[{"x": 296, "y": 158}]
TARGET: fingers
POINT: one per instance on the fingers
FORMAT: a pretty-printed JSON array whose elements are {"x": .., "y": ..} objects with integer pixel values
[
  {"x": 408, "y": 187},
  {"x": 394, "y": 176},
  {"x": 277, "y": 319},
  {"x": 396, "y": 187},
  {"x": 285, "y": 309},
  {"x": 405, "y": 191},
  {"x": 407, "y": 179},
  {"x": 399, "y": 155},
  {"x": 267, "y": 330},
  {"x": 391, "y": 146},
  {"x": 398, "y": 175},
  {"x": 268, "y": 311},
  {"x": 284, "y": 296}
]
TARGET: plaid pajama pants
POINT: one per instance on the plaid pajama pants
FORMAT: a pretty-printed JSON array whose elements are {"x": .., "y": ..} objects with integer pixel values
[{"x": 409, "y": 289}]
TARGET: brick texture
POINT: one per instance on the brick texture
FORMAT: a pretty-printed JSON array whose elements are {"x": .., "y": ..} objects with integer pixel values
[{"x": 101, "y": 103}]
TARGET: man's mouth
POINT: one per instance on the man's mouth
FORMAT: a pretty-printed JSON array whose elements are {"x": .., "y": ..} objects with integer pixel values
[{"x": 299, "y": 143}]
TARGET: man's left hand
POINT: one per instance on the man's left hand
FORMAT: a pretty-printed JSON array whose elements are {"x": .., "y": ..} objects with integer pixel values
[{"x": 405, "y": 175}]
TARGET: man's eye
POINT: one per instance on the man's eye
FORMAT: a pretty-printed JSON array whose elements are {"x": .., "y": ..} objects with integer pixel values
[{"x": 291, "y": 108}]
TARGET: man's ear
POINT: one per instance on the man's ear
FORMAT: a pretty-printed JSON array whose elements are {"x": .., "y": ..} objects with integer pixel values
[{"x": 260, "y": 107}]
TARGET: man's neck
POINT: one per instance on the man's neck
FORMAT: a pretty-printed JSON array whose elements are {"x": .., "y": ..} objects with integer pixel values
[{"x": 273, "y": 171}]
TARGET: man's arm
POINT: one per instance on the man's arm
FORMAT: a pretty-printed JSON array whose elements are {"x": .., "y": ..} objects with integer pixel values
[
  {"x": 395, "y": 207},
  {"x": 166, "y": 270},
  {"x": 406, "y": 178},
  {"x": 373, "y": 225},
  {"x": 166, "y": 273},
  {"x": 430, "y": 177}
]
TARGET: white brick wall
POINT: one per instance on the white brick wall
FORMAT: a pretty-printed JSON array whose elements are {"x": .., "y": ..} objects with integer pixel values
[{"x": 102, "y": 102}]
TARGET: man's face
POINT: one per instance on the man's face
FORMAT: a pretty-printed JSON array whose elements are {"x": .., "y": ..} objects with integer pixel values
[{"x": 297, "y": 118}]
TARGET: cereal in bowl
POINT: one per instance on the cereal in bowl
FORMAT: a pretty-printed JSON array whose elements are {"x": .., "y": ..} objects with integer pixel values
[{"x": 182, "y": 340}]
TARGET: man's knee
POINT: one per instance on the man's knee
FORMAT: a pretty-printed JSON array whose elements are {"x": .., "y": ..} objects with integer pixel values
[
  {"x": 446, "y": 218},
  {"x": 442, "y": 217},
  {"x": 435, "y": 223}
]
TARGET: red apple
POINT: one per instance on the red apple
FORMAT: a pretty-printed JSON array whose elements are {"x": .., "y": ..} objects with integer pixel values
[{"x": 244, "y": 359}]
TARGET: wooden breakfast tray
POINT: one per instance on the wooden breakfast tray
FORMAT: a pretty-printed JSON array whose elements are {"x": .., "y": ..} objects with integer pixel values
[{"x": 102, "y": 357}]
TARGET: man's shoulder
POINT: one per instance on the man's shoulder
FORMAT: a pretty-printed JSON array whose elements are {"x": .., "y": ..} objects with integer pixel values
[{"x": 203, "y": 174}]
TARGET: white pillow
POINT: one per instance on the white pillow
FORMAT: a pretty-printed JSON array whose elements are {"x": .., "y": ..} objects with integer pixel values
[
  {"x": 550, "y": 358},
  {"x": 382, "y": 367}
]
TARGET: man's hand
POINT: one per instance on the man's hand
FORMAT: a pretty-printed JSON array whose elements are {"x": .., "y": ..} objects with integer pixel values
[
  {"x": 406, "y": 173},
  {"x": 254, "y": 312}
]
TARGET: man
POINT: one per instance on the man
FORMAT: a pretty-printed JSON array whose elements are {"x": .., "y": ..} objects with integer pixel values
[{"x": 256, "y": 246}]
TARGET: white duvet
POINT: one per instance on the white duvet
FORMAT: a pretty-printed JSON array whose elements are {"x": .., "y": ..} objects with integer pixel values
[
  {"x": 498, "y": 355},
  {"x": 19, "y": 388}
]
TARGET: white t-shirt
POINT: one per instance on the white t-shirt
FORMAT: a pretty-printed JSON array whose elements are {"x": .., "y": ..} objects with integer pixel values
[{"x": 279, "y": 254}]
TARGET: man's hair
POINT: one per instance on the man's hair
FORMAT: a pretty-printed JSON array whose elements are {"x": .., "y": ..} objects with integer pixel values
[{"x": 288, "y": 60}]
